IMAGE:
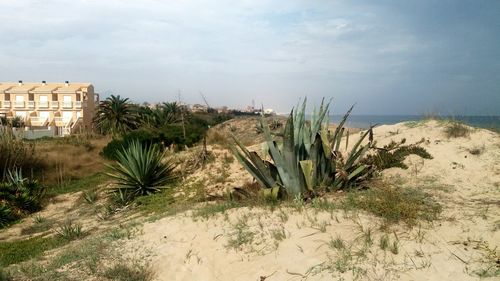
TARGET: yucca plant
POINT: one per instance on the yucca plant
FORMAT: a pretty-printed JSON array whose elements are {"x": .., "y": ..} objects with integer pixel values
[
  {"x": 141, "y": 170},
  {"x": 6, "y": 215},
  {"x": 19, "y": 196},
  {"x": 309, "y": 157}
]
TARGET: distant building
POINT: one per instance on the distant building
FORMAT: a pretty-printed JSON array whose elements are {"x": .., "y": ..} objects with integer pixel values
[
  {"x": 269, "y": 111},
  {"x": 199, "y": 108},
  {"x": 223, "y": 109},
  {"x": 53, "y": 109}
]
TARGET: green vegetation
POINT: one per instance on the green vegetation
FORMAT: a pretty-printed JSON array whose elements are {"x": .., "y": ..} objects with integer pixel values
[
  {"x": 395, "y": 204},
  {"x": 116, "y": 115},
  {"x": 90, "y": 196},
  {"x": 393, "y": 155},
  {"x": 82, "y": 184},
  {"x": 69, "y": 230},
  {"x": 141, "y": 170},
  {"x": 166, "y": 124},
  {"x": 22, "y": 250},
  {"x": 19, "y": 196},
  {"x": 309, "y": 159}
]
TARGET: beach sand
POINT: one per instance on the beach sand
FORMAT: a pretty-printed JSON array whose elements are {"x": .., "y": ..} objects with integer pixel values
[{"x": 292, "y": 244}]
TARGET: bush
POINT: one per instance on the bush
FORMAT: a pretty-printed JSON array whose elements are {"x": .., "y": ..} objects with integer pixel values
[
  {"x": 393, "y": 155},
  {"x": 19, "y": 197},
  {"x": 396, "y": 204},
  {"x": 145, "y": 137},
  {"x": 141, "y": 170}
]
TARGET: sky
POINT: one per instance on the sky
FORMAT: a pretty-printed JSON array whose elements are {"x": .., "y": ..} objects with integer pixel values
[{"x": 387, "y": 57}]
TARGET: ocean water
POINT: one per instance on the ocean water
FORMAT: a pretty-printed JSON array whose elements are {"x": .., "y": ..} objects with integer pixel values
[{"x": 364, "y": 121}]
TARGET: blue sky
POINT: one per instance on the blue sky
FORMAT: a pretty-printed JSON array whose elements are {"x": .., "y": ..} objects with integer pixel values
[{"x": 393, "y": 57}]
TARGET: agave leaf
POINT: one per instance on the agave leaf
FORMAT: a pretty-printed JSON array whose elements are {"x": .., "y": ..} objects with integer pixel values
[
  {"x": 254, "y": 164},
  {"x": 271, "y": 193},
  {"x": 356, "y": 172},
  {"x": 355, "y": 154},
  {"x": 291, "y": 162},
  {"x": 307, "y": 170},
  {"x": 287, "y": 171},
  {"x": 340, "y": 126}
]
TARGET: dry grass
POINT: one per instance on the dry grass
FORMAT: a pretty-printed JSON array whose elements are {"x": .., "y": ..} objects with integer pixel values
[
  {"x": 65, "y": 161},
  {"x": 395, "y": 204},
  {"x": 456, "y": 129}
]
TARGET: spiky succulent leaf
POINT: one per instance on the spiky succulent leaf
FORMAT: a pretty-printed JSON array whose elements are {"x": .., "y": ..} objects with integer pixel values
[{"x": 141, "y": 170}]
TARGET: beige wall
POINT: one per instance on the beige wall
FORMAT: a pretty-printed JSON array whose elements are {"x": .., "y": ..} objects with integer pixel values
[{"x": 86, "y": 111}]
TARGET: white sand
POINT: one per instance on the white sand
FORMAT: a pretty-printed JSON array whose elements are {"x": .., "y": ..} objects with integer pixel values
[{"x": 451, "y": 248}]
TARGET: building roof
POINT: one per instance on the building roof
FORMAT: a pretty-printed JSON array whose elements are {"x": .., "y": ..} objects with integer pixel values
[
  {"x": 4, "y": 87},
  {"x": 47, "y": 89},
  {"x": 21, "y": 89},
  {"x": 58, "y": 88},
  {"x": 71, "y": 88}
]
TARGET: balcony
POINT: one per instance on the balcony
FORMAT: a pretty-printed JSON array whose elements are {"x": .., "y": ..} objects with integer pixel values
[
  {"x": 43, "y": 104},
  {"x": 19, "y": 104},
  {"x": 38, "y": 121},
  {"x": 54, "y": 104},
  {"x": 78, "y": 104},
  {"x": 31, "y": 104},
  {"x": 67, "y": 104},
  {"x": 6, "y": 104},
  {"x": 59, "y": 121}
]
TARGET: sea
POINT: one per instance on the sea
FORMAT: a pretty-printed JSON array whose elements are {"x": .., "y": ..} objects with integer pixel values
[{"x": 365, "y": 121}]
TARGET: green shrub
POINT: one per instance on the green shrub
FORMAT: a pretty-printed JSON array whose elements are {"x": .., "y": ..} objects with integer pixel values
[
  {"x": 396, "y": 204},
  {"x": 141, "y": 170},
  {"x": 18, "y": 197},
  {"x": 69, "y": 230},
  {"x": 393, "y": 155},
  {"x": 145, "y": 137}
]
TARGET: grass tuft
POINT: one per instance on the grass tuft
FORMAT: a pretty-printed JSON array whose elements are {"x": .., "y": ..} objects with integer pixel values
[
  {"x": 125, "y": 272},
  {"x": 70, "y": 231},
  {"x": 455, "y": 129},
  {"x": 395, "y": 204}
]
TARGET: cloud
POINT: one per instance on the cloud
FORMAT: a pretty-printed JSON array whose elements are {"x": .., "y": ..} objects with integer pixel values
[{"x": 389, "y": 58}]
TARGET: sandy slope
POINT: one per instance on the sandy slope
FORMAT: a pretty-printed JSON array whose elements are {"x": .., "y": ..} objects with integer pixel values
[{"x": 292, "y": 245}]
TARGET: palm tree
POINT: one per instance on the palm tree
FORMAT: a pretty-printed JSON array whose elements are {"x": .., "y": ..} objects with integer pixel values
[
  {"x": 116, "y": 115},
  {"x": 160, "y": 115}
]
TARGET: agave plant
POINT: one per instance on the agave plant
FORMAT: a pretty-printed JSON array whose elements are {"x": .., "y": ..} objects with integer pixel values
[
  {"x": 308, "y": 158},
  {"x": 141, "y": 170}
]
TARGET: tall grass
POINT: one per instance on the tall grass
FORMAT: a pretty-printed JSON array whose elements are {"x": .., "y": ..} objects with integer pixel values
[{"x": 16, "y": 154}]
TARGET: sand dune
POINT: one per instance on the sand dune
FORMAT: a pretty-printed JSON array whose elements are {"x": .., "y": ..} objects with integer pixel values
[{"x": 290, "y": 244}]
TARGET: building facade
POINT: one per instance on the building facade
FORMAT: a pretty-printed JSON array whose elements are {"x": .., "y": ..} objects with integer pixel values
[{"x": 62, "y": 108}]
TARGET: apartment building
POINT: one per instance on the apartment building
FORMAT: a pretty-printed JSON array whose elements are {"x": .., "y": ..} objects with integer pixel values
[{"x": 58, "y": 108}]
